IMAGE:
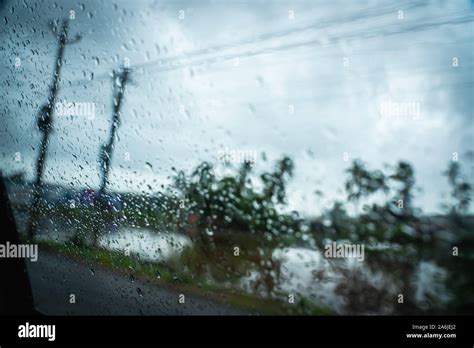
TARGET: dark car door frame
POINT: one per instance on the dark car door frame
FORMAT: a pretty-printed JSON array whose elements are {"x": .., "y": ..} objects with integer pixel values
[{"x": 16, "y": 296}]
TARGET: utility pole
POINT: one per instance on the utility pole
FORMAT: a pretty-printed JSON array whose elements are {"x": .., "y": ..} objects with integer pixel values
[
  {"x": 45, "y": 122},
  {"x": 120, "y": 79}
]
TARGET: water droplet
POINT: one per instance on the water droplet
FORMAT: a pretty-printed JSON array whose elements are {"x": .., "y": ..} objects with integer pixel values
[
  {"x": 149, "y": 166},
  {"x": 139, "y": 292}
]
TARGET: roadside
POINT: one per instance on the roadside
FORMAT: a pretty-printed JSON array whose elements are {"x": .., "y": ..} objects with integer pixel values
[
  {"x": 109, "y": 282},
  {"x": 98, "y": 290}
]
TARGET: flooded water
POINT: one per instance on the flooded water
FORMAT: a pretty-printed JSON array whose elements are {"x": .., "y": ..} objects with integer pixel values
[{"x": 146, "y": 244}]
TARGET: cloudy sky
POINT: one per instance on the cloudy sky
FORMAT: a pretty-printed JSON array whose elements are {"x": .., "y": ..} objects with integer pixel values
[{"x": 320, "y": 81}]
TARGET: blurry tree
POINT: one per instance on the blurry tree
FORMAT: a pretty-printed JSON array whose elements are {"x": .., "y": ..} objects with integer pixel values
[
  {"x": 404, "y": 176},
  {"x": 230, "y": 206},
  {"x": 460, "y": 262},
  {"x": 274, "y": 183},
  {"x": 460, "y": 190},
  {"x": 362, "y": 182}
]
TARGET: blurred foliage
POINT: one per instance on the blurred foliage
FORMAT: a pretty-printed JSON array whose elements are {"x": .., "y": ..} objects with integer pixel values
[
  {"x": 245, "y": 210},
  {"x": 229, "y": 208}
]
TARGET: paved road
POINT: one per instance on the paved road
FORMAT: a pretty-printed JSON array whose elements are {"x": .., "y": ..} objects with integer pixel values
[{"x": 101, "y": 292}]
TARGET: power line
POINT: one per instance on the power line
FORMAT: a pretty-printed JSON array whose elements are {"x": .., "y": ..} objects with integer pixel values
[
  {"x": 255, "y": 40},
  {"x": 153, "y": 67}
]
